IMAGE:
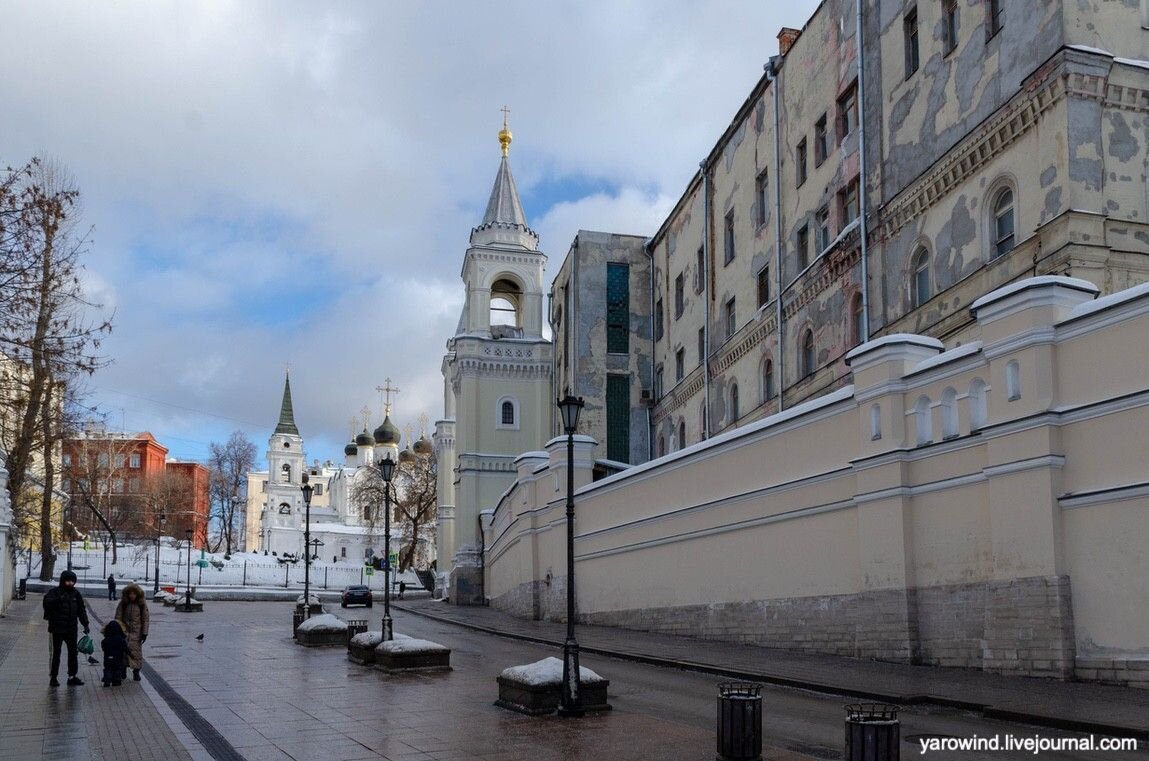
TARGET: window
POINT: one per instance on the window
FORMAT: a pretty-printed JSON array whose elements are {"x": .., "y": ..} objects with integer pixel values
[
  {"x": 343, "y": 552},
  {"x": 508, "y": 413},
  {"x": 800, "y": 161},
  {"x": 661, "y": 447},
  {"x": 733, "y": 403},
  {"x": 761, "y": 184},
  {"x": 134, "y": 461},
  {"x": 806, "y": 353},
  {"x": 728, "y": 317},
  {"x": 505, "y": 298},
  {"x": 1003, "y": 225},
  {"x": 658, "y": 320},
  {"x": 847, "y": 112},
  {"x": 618, "y": 418},
  {"x": 133, "y": 485},
  {"x": 802, "y": 247},
  {"x": 921, "y": 276},
  {"x": 681, "y": 434},
  {"x": 617, "y": 308},
  {"x": 910, "y": 37},
  {"x": 858, "y": 313},
  {"x": 679, "y": 294},
  {"x": 117, "y": 486},
  {"x": 701, "y": 346},
  {"x": 700, "y": 269},
  {"x": 659, "y": 382},
  {"x": 319, "y": 490},
  {"x": 728, "y": 236},
  {"x": 767, "y": 380},
  {"x": 285, "y": 473},
  {"x": 923, "y": 422},
  {"x": 848, "y": 202},
  {"x": 822, "y": 229},
  {"x": 66, "y": 459},
  {"x": 284, "y": 508},
  {"x": 949, "y": 414},
  {"x": 679, "y": 364},
  {"x": 763, "y": 286},
  {"x": 875, "y": 422},
  {"x": 949, "y": 25},
  {"x": 1012, "y": 381},
  {"x": 977, "y": 405},
  {"x": 102, "y": 459},
  {"x": 121, "y": 460},
  {"x": 993, "y": 9},
  {"x": 820, "y": 141}
]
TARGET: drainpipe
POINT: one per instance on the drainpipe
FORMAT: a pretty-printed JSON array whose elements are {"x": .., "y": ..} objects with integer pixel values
[
  {"x": 653, "y": 318},
  {"x": 705, "y": 298},
  {"x": 772, "y": 73},
  {"x": 862, "y": 189},
  {"x": 554, "y": 349}
]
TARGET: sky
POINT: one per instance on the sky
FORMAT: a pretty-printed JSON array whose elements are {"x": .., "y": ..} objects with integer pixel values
[{"x": 275, "y": 185}]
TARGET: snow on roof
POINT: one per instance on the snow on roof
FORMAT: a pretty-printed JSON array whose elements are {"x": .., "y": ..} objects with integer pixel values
[
  {"x": 324, "y": 623},
  {"x": 1133, "y": 62},
  {"x": 973, "y": 347},
  {"x": 411, "y": 645},
  {"x": 547, "y": 671},
  {"x": 1089, "y": 307},
  {"x": 1034, "y": 282},
  {"x": 1088, "y": 49}
]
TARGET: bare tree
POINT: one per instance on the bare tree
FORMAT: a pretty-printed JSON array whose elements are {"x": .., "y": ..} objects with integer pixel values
[
  {"x": 228, "y": 467},
  {"x": 44, "y": 330},
  {"x": 97, "y": 475},
  {"x": 414, "y": 505},
  {"x": 165, "y": 496}
]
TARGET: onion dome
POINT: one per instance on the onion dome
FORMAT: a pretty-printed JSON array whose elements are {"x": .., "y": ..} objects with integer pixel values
[
  {"x": 422, "y": 446},
  {"x": 365, "y": 439},
  {"x": 406, "y": 456},
  {"x": 350, "y": 449},
  {"x": 387, "y": 433}
]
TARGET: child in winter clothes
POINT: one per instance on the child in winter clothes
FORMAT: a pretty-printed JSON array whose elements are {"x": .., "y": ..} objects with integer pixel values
[{"x": 115, "y": 647}]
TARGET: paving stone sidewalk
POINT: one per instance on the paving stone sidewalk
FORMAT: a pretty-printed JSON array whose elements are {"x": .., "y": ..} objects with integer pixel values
[{"x": 1075, "y": 706}]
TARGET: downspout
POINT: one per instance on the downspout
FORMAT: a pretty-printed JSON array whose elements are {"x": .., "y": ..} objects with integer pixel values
[
  {"x": 706, "y": 299},
  {"x": 862, "y": 187},
  {"x": 653, "y": 319},
  {"x": 772, "y": 72},
  {"x": 554, "y": 352}
]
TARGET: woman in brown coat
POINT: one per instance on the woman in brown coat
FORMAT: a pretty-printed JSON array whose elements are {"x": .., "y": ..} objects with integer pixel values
[{"x": 132, "y": 612}]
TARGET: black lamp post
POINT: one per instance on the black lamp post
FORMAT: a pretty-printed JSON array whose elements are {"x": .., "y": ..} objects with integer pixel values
[
  {"x": 159, "y": 533},
  {"x": 570, "y": 703},
  {"x": 387, "y": 472},
  {"x": 307, "y": 490},
  {"x": 188, "y": 599}
]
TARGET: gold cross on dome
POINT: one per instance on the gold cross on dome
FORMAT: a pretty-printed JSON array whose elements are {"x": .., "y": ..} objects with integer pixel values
[
  {"x": 505, "y": 111},
  {"x": 366, "y": 413},
  {"x": 386, "y": 391}
]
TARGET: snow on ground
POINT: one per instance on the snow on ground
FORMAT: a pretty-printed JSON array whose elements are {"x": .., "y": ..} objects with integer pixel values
[
  {"x": 137, "y": 562},
  {"x": 546, "y": 671},
  {"x": 412, "y": 645}
]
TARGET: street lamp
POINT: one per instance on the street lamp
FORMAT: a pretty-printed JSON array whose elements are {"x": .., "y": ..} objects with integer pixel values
[
  {"x": 570, "y": 703},
  {"x": 307, "y": 490},
  {"x": 188, "y": 598},
  {"x": 387, "y": 472},
  {"x": 159, "y": 534}
]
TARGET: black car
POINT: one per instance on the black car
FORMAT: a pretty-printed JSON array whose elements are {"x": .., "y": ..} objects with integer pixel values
[{"x": 356, "y": 595}]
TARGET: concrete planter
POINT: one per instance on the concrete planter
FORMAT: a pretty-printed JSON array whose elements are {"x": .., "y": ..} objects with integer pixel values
[
  {"x": 536, "y": 689},
  {"x": 401, "y": 655},
  {"x": 320, "y": 638},
  {"x": 361, "y": 647}
]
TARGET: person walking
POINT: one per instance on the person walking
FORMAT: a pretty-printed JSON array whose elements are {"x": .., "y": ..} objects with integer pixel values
[
  {"x": 133, "y": 613},
  {"x": 111, "y": 587},
  {"x": 63, "y": 608}
]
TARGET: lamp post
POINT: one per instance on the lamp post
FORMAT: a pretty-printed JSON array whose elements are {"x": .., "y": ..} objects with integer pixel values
[
  {"x": 307, "y": 490},
  {"x": 570, "y": 702},
  {"x": 188, "y": 598},
  {"x": 387, "y": 472},
  {"x": 159, "y": 533}
]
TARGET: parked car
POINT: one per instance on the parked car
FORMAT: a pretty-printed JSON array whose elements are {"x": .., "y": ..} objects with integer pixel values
[{"x": 356, "y": 595}]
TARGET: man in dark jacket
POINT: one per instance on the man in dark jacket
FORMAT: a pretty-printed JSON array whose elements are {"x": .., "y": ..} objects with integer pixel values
[
  {"x": 111, "y": 586},
  {"x": 63, "y": 607}
]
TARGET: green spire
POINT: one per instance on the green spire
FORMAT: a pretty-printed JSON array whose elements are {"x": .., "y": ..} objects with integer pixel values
[{"x": 286, "y": 415}]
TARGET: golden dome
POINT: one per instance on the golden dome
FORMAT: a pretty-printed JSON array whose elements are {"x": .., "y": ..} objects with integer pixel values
[{"x": 505, "y": 136}]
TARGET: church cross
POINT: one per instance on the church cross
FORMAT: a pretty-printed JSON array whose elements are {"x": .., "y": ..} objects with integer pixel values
[
  {"x": 505, "y": 111},
  {"x": 366, "y": 413},
  {"x": 386, "y": 391},
  {"x": 423, "y": 424}
]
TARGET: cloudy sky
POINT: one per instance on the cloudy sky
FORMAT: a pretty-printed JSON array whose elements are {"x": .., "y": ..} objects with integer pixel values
[{"x": 293, "y": 183}]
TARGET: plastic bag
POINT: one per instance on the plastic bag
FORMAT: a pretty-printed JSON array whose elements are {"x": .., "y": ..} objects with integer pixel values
[{"x": 85, "y": 645}]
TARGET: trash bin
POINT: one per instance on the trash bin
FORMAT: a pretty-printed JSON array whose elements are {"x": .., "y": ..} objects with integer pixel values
[
  {"x": 739, "y": 721},
  {"x": 873, "y": 732},
  {"x": 22, "y": 593},
  {"x": 355, "y": 626},
  {"x": 296, "y": 620}
]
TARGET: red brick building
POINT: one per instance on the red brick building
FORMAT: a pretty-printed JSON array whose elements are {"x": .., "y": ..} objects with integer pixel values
[{"x": 126, "y": 479}]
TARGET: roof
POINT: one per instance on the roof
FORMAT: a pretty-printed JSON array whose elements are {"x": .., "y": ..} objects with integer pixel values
[{"x": 286, "y": 413}]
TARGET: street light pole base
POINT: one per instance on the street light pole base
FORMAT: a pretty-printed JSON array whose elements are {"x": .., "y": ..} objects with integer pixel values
[
  {"x": 570, "y": 700},
  {"x": 387, "y": 632}
]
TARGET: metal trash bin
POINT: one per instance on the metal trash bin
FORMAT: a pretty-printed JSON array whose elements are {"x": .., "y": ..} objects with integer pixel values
[
  {"x": 873, "y": 732},
  {"x": 22, "y": 592},
  {"x": 296, "y": 620},
  {"x": 739, "y": 721},
  {"x": 355, "y": 626}
]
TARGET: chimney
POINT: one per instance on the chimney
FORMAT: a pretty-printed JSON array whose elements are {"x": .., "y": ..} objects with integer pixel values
[{"x": 786, "y": 39}]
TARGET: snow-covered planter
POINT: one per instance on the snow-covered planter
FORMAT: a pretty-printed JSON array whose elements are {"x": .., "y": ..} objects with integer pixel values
[
  {"x": 188, "y": 604},
  {"x": 535, "y": 688},
  {"x": 321, "y": 630},
  {"x": 361, "y": 649},
  {"x": 316, "y": 606},
  {"x": 409, "y": 654}
]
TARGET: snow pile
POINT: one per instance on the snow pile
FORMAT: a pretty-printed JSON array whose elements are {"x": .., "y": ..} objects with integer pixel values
[
  {"x": 323, "y": 623},
  {"x": 367, "y": 639},
  {"x": 546, "y": 671},
  {"x": 410, "y": 645},
  {"x": 314, "y": 599}
]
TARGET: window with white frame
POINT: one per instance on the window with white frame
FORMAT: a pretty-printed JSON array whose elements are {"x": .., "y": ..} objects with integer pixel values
[
  {"x": 921, "y": 276},
  {"x": 507, "y": 413},
  {"x": 1003, "y": 222}
]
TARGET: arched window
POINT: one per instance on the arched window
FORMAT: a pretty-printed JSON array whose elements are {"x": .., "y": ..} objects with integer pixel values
[
  {"x": 977, "y": 405},
  {"x": 505, "y": 299},
  {"x": 922, "y": 421},
  {"x": 733, "y": 403},
  {"x": 921, "y": 276},
  {"x": 767, "y": 379},
  {"x": 661, "y": 447},
  {"x": 507, "y": 413},
  {"x": 681, "y": 434},
  {"x": 1003, "y": 222},
  {"x": 285, "y": 473},
  {"x": 1012, "y": 381},
  {"x": 284, "y": 508},
  {"x": 806, "y": 353},
  {"x": 857, "y": 319},
  {"x": 949, "y": 414}
]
